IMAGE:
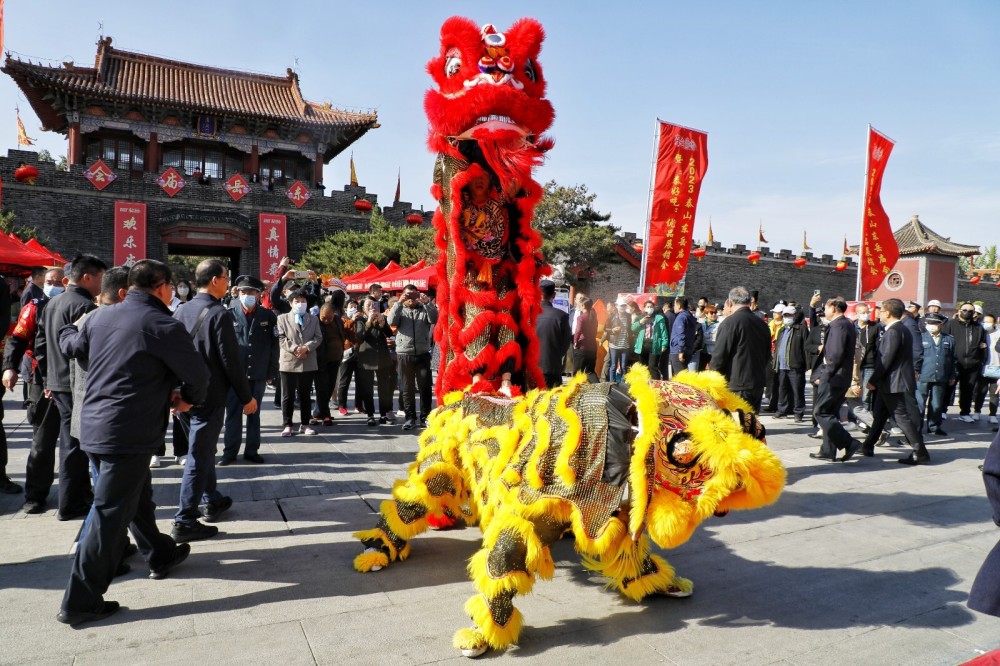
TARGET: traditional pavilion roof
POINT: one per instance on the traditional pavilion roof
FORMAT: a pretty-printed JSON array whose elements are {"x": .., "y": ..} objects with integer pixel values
[
  {"x": 136, "y": 78},
  {"x": 916, "y": 238}
]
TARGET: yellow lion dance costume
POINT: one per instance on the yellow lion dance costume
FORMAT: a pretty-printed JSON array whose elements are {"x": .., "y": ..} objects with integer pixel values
[{"x": 614, "y": 465}]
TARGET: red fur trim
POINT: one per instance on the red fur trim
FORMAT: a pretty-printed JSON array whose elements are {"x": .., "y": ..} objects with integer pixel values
[
  {"x": 483, "y": 386},
  {"x": 441, "y": 521}
]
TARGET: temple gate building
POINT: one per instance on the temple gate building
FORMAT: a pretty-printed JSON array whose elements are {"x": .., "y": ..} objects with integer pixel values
[{"x": 171, "y": 158}]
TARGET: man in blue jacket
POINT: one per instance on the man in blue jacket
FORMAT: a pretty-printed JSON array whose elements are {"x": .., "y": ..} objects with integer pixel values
[
  {"x": 831, "y": 381},
  {"x": 257, "y": 335},
  {"x": 939, "y": 371},
  {"x": 681, "y": 336},
  {"x": 137, "y": 355},
  {"x": 211, "y": 327}
]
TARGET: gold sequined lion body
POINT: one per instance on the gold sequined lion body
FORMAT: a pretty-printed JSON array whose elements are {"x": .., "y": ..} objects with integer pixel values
[{"x": 615, "y": 465}]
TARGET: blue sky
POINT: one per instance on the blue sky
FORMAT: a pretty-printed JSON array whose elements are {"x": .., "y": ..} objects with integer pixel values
[{"x": 785, "y": 91}]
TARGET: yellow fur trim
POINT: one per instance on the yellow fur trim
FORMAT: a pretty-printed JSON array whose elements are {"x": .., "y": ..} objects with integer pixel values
[
  {"x": 647, "y": 406},
  {"x": 715, "y": 385},
  {"x": 497, "y": 637},
  {"x": 571, "y": 442},
  {"x": 398, "y": 527},
  {"x": 546, "y": 566},
  {"x": 405, "y": 553},
  {"x": 544, "y": 437},
  {"x": 682, "y": 584},
  {"x": 371, "y": 535},
  {"x": 468, "y": 639},
  {"x": 452, "y": 397},
  {"x": 364, "y": 562},
  {"x": 524, "y": 530},
  {"x": 519, "y": 582},
  {"x": 670, "y": 521},
  {"x": 658, "y": 581},
  {"x": 614, "y": 531}
]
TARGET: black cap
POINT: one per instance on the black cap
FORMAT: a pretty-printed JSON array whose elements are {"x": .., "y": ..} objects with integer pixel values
[
  {"x": 913, "y": 305},
  {"x": 935, "y": 318},
  {"x": 249, "y": 282}
]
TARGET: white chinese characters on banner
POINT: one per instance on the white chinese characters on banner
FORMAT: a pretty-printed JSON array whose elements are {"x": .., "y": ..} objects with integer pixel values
[
  {"x": 130, "y": 232},
  {"x": 273, "y": 245}
]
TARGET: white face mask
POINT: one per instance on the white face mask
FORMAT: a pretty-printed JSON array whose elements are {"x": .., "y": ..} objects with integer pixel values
[
  {"x": 52, "y": 290},
  {"x": 988, "y": 327},
  {"x": 650, "y": 311},
  {"x": 788, "y": 321},
  {"x": 351, "y": 312},
  {"x": 933, "y": 329},
  {"x": 300, "y": 307},
  {"x": 248, "y": 300},
  {"x": 823, "y": 321}
]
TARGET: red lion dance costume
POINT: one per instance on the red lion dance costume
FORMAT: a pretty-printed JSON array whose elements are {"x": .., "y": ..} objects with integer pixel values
[{"x": 486, "y": 118}]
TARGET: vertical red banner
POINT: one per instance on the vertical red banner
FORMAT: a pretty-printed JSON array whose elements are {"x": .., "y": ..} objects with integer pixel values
[
  {"x": 879, "y": 250},
  {"x": 130, "y": 232},
  {"x": 273, "y": 244},
  {"x": 681, "y": 162}
]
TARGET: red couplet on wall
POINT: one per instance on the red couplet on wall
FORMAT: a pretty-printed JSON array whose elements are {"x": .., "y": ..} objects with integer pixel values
[
  {"x": 130, "y": 232},
  {"x": 273, "y": 244}
]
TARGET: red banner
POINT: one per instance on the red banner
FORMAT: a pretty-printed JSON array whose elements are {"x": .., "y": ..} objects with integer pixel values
[
  {"x": 130, "y": 232},
  {"x": 273, "y": 244},
  {"x": 879, "y": 250},
  {"x": 681, "y": 162}
]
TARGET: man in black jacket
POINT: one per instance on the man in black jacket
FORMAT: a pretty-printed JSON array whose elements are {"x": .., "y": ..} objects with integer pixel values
[
  {"x": 136, "y": 356},
  {"x": 790, "y": 364},
  {"x": 211, "y": 327},
  {"x": 894, "y": 383},
  {"x": 971, "y": 351},
  {"x": 832, "y": 379},
  {"x": 85, "y": 275},
  {"x": 742, "y": 348},
  {"x": 257, "y": 335},
  {"x": 554, "y": 337}
]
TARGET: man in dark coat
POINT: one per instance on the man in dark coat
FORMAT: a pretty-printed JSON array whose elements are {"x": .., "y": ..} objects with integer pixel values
[
  {"x": 971, "y": 352},
  {"x": 85, "y": 275},
  {"x": 36, "y": 283},
  {"x": 894, "y": 383},
  {"x": 682, "y": 336},
  {"x": 742, "y": 348},
  {"x": 136, "y": 355},
  {"x": 832, "y": 379},
  {"x": 554, "y": 337},
  {"x": 257, "y": 335},
  {"x": 790, "y": 364},
  {"x": 211, "y": 327},
  {"x": 985, "y": 593}
]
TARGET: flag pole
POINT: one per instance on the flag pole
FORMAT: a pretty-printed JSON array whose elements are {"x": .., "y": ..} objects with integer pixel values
[
  {"x": 649, "y": 207},
  {"x": 864, "y": 213}
]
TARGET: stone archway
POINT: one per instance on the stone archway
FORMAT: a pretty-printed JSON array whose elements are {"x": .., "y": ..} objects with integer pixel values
[{"x": 206, "y": 233}]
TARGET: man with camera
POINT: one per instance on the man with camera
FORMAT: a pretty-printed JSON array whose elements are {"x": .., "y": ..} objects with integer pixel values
[{"x": 414, "y": 316}]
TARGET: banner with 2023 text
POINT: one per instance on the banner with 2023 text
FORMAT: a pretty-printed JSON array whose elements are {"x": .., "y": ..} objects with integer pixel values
[{"x": 681, "y": 162}]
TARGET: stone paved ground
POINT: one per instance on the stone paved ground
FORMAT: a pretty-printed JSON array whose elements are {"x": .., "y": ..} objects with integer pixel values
[{"x": 866, "y": 562}]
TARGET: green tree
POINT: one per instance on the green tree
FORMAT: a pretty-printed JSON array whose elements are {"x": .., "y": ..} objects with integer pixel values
[
  {"x": 986, "y": 260},
  {"x": 45, "y": 156},
  {"x": 572, "y": 230},
  {"x": 8, "y": 226},
  {"x": 62, "y": 164},
  {"x": 346, "y": 252}
]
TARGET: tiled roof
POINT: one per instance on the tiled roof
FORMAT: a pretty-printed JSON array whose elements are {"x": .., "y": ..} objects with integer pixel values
[
  {"x": 915, "y": 238},
  {"x": 135, "y": 77}
]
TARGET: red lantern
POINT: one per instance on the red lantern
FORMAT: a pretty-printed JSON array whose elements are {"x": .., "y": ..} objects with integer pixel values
[
  {"x": 363, "y": 205},
  {"x": 841, "y": 266},
  {"x": 975, "y": 280},
  {"x": 26, "y": 174},
  {"x": 413, "y": 219},
  {"x": 753, "y": 258},
  {"x": 698, "y": 253},
  {"x": 800, "y": 262}
]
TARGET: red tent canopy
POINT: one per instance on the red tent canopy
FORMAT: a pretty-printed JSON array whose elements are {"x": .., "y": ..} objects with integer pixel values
[
  {"x": 56, "y": 257},
  {"x": 402, "y": 277},
  {"x": 362, "y": 284},
  {"x": 421, "y": 278},
  {"x": 371, "y": 269},
  {"x": 15, "y": 254}
]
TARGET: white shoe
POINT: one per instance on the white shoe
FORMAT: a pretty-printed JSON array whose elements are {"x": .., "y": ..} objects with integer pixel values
[
  {"x": 992, "y": 420},
  {"x": 401, "y": 414},
  {"x": 896, "y": 432},
  {"x": 154, "y": 462},
  {"x": 965, "y": 418},
  {"x": 944, "y": 416},
  {"x": 975, "y": 417}
]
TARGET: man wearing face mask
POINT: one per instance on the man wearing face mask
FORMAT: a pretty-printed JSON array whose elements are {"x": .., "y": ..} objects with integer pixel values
[
  {"x": 651, "y": 340},
  {"x": 42, "y": 414},
  {"x": 257, "y": 335},
  {"x": 939, "y": 371},
  {"x": 971, "y": 351},
  {"x": 211, "y": 327},
  {"x": 414, "y": 316},
  {"x": 790, "y": 364}
]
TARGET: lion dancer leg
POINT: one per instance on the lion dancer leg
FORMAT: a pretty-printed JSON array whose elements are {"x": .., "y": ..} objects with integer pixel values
[
  {"x": 514, "y": 551},
  {"x": 433, "y": 489},
  {"x": 632, "y": 570}
]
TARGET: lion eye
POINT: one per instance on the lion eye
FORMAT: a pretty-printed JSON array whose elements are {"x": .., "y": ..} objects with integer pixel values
[
  {"x": 529, "y": 70},
  {"x": 452, "y": 63}
]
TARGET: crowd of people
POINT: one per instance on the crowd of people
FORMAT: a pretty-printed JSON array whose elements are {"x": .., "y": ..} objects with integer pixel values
[
  {"x": 887, "y": 372},
  {"x": 201, "y": 354}
]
